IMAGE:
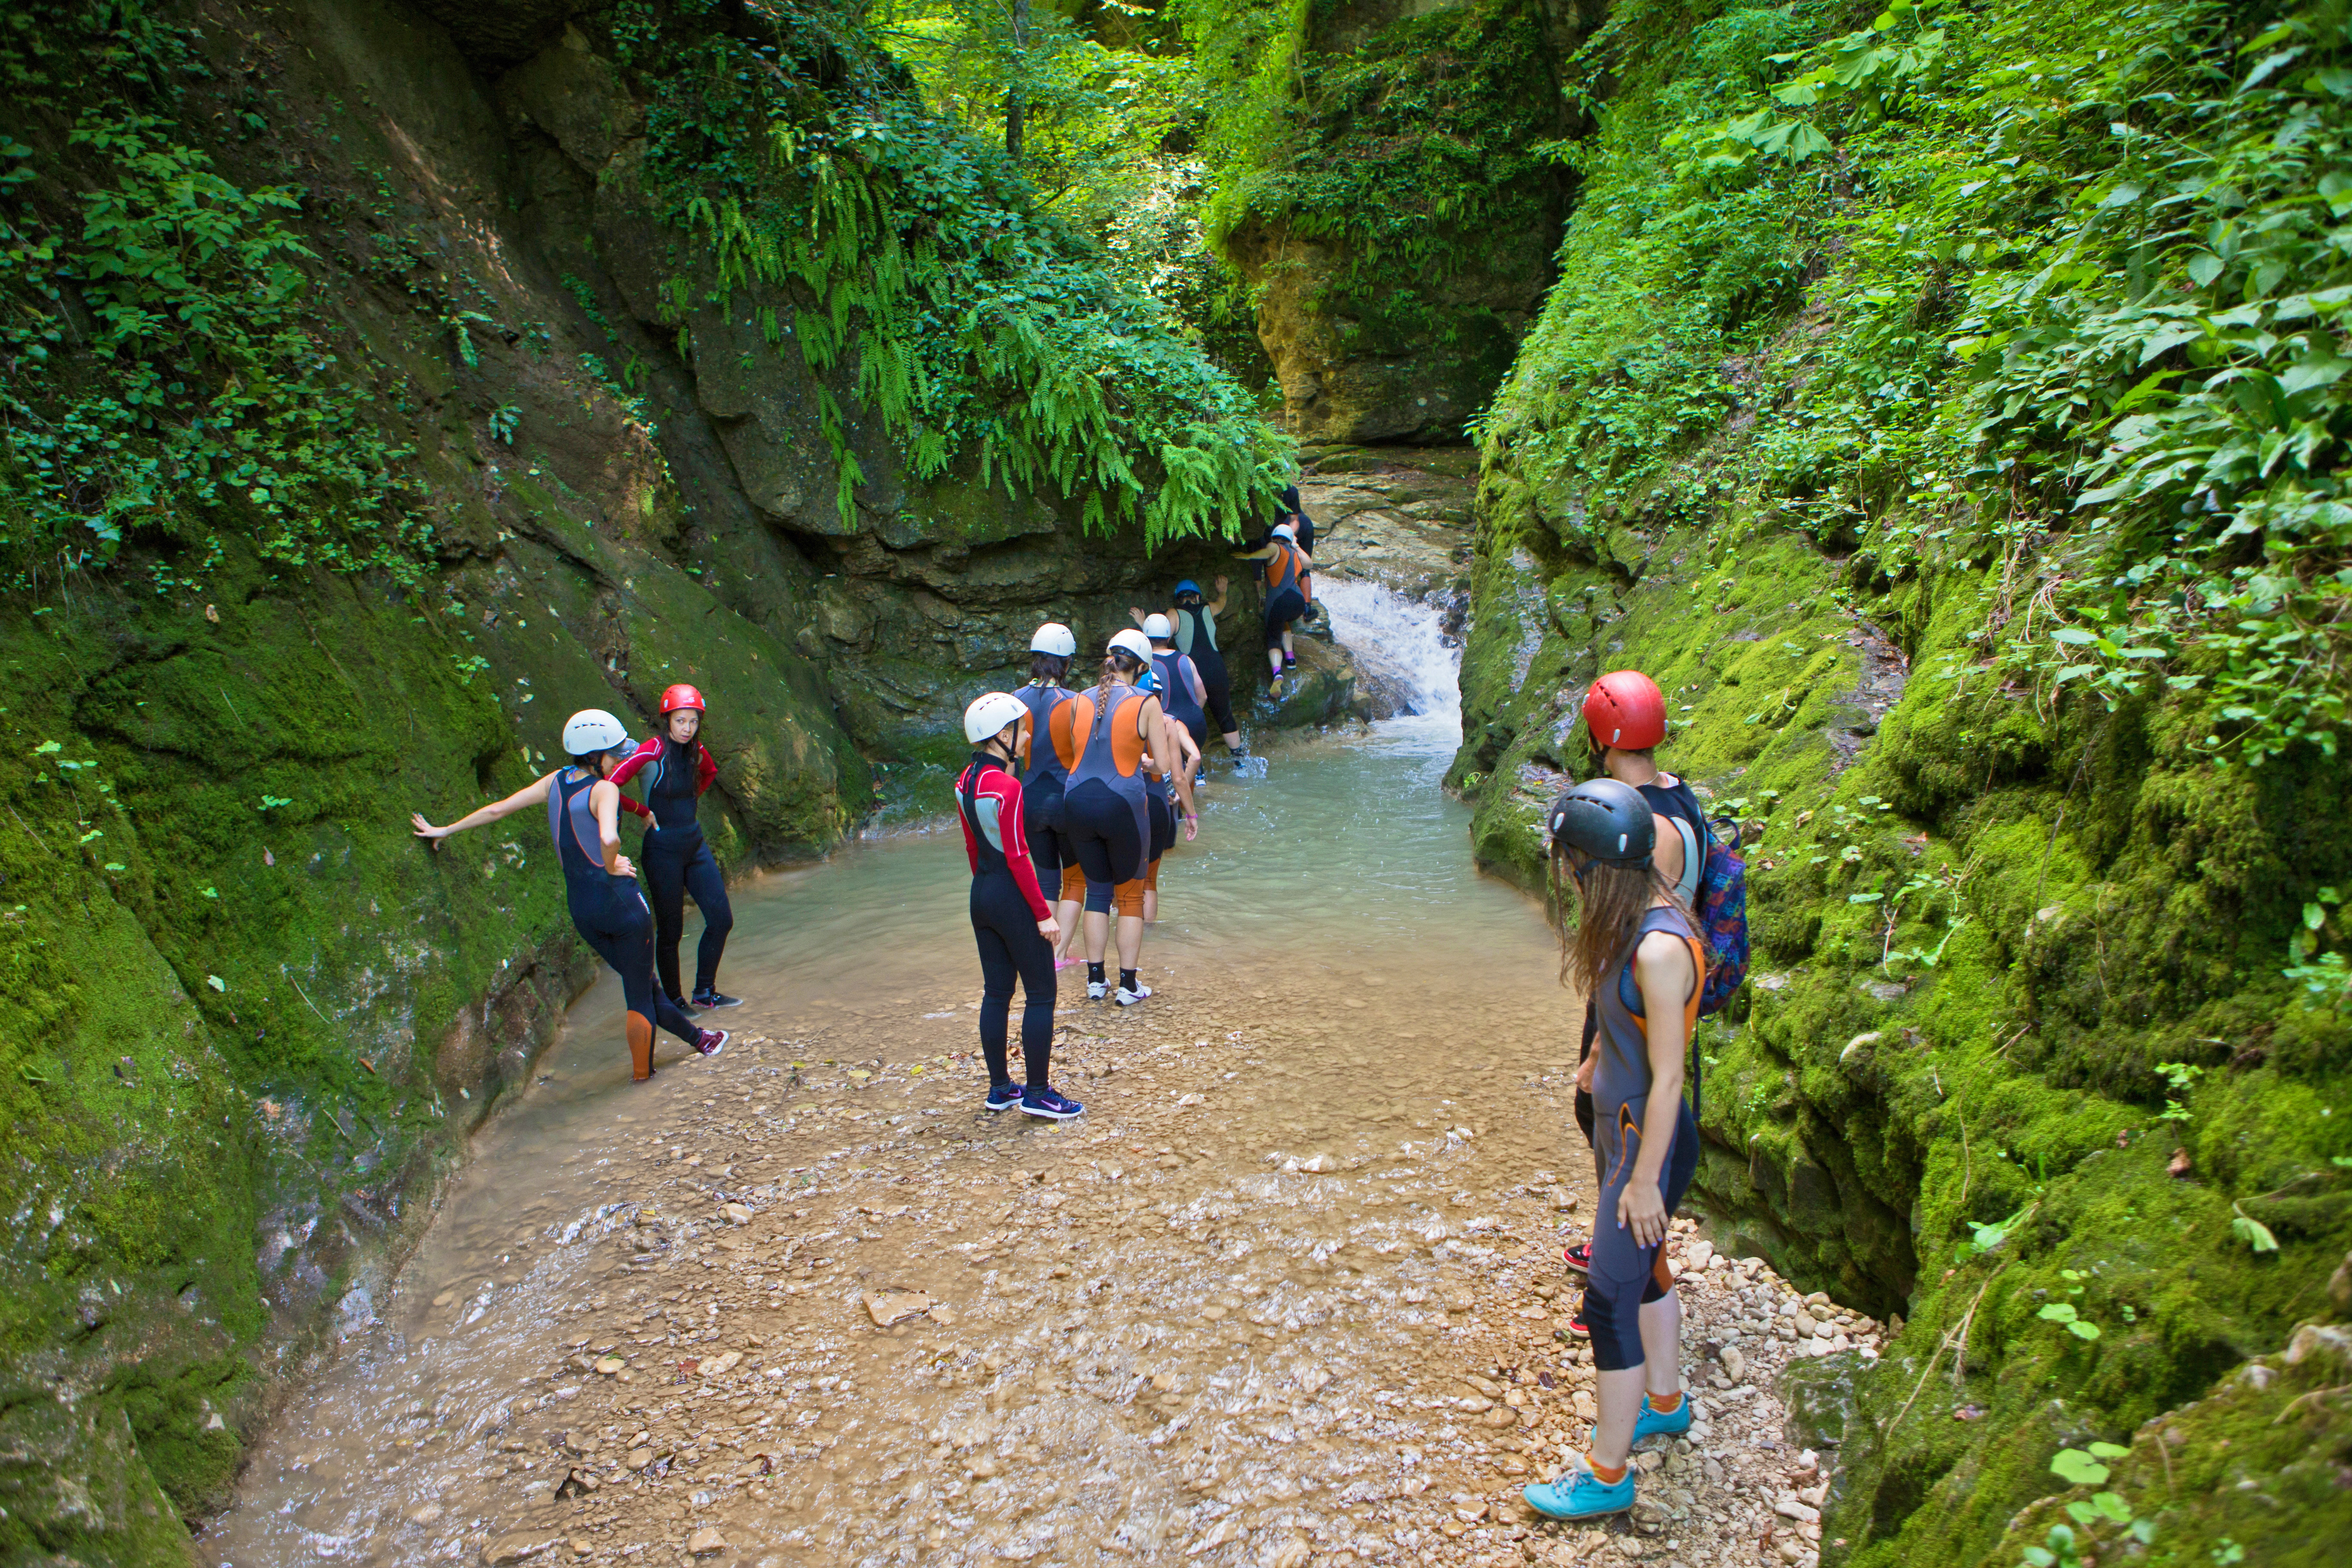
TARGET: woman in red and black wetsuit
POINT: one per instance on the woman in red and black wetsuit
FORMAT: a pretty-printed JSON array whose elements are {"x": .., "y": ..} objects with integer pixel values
[
  {"x": 678, "y": 768},
  {"x": 1010, "y": 918}
]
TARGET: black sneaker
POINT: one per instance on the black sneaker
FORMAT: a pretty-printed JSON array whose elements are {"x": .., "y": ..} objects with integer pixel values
[
  {"x": 681, "y": 1003},
  {"x": 1579, "y": 1257},
  {"x": 709, "y": 997},
  {"x": 713, "y": 1041}
]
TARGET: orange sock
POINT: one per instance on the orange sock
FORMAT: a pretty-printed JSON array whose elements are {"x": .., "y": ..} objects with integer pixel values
[
  {"x": 1613, "y": 1474},
  {"x": 1667, "y": 1403}
]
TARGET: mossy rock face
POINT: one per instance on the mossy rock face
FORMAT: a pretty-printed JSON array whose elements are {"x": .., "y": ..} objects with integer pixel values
[{"x": 1400, "y": 230}]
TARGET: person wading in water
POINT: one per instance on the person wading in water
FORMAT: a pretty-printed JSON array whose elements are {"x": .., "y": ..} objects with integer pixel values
[{"x": 678, "y": 768}]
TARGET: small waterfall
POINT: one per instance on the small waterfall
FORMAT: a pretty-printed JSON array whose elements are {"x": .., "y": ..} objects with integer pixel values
[{"x": 1401, "y": 642}]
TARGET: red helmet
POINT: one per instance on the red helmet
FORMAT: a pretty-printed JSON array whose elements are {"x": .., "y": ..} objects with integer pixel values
[
  {"x": 682, "y": 696},
  {"x": 1624, "y": 709}
]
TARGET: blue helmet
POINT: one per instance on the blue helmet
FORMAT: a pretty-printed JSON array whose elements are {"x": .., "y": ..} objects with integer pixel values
[{"x": 1188, "y": 586}]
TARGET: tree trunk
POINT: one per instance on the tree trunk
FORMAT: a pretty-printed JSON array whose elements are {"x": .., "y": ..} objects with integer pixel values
[{"x": 1016, "y": 104}]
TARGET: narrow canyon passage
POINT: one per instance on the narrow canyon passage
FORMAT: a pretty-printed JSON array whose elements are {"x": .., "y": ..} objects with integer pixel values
[{"x": 1288, "y": 1292}]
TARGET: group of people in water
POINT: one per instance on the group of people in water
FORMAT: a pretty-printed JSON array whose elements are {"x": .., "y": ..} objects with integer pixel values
[{"x": 1072, "y": 795}]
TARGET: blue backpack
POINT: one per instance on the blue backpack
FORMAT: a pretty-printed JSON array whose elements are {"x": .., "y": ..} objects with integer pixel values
[{"x": 1721, "y": 905}]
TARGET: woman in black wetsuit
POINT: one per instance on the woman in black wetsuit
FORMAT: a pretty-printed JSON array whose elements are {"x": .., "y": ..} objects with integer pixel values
[
  {"x": 678, "y": 768},
  {"x": 608, "y": 910}
]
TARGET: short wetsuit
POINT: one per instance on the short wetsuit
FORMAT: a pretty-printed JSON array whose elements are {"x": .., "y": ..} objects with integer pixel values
[
  {"x": 1105, "y": 813},
  {"x": 1043, "y": 785},
  {"x": 1675, "y": 801},
  {"x": 1285, "y": 596},
  {"x": 1196, "y": 639},
  {"x": 1623, "y": 1276},
  {"x": 1006, "y": 905},
  {"x": 678, "y": 860},
  {"x": 1177, "y": 674},
  {"x": 611, "y": 915}
]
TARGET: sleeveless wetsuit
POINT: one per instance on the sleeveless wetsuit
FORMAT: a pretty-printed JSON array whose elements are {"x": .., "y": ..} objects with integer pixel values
[
  {"x": 1286, "y": 596},
  {"x": 1196, "y": 638},
  {"x": 1624, "y": 1276},
  {"x": 677, "y": 860},
  {"x": 611, "y": 915},
  {"x": 1043, "y": 785},
  {"x": 1006, "y": 905},
  {"x": 1177, "y": 674},
  {"x": 1676, "y": 803},
  {"x": 1106, "y": 812}
]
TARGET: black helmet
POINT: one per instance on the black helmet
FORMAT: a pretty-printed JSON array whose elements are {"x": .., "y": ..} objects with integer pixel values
[{"x": 1609, "y": 821}]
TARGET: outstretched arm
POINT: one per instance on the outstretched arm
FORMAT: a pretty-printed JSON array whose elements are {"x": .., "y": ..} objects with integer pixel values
[
  {"x": 1216, "y": 606},
  {"x": 532, "y": 793}
]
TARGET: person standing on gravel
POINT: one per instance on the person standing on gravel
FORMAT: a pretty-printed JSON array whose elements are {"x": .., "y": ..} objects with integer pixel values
[
  {"x": 678, "y": 768},
  {"x": 1051, "y": 648},
  {"x": 1625, "y": 715},
  {"x": 1637, "y": 953},
  {"x": 1010, "y": 918},
  {"x": 608, "y": 908}
]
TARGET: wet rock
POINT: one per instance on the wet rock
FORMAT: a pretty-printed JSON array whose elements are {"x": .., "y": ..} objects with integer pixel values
[
  {"x": 428, "y": 1515},
  {"x": 889, "y": 1307},
  {"x": 607, "y": 1365},
  {"x": 706, "y": 1543}
]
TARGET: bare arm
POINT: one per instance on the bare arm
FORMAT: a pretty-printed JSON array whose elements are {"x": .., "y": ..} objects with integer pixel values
[
  {"x": 1158, "y": 727},
  {"x": 604, "y": 805},
  {"x": 1665, "y": 975},
  {"x": 1668, "y": 855},
  {"x": 1217, "y": 606},
  {"x": 532, "y": 793}
]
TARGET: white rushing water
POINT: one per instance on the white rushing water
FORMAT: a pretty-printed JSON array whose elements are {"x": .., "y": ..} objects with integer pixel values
[{"x": 1401, "y": 640}]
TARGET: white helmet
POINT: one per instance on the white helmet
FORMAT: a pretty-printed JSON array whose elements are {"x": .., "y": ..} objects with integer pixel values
[
  {"x": 1055, "y": 638},
  {"x": 591, "y": 730},
  {"x": 989, "y": 713},
  {"x": 1133, "y": 642},
  {"x": 1283, "y": 530},
  {"x": 1159, "y": 628}
]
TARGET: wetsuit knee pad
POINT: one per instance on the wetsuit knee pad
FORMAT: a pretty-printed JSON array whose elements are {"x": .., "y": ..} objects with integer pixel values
[
  {"x": 1073, "y": 883},
  {"x": 641, "y": 1046},
  {"x": 1151, "y": 878},
  {"x": 1129, "y": 896},
  {"x": 1614, "y": 1317},
  {"x": 1099, "y": 897},
  {"x": 1661, "y": 1280}
]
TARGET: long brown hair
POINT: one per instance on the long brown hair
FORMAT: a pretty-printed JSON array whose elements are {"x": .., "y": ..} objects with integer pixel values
[
  {"x": 1116, "y": 665},
  {"x": 1609, "y": 903}
]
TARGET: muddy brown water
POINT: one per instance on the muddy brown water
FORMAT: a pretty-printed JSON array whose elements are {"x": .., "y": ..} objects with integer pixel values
[{"x": 1224, "y": 1317}]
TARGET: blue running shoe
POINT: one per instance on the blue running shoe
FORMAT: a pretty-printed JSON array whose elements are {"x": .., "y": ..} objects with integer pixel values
[
  {"x": 1004, "y": 1096},
  {"x": 1651, "y": 1423},
  {"x": 1580, "y": 1494},
  {"x": 1043, "y": 1101}
]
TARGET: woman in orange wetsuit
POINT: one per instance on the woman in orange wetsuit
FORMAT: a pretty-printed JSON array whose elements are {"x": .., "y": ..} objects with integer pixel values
[
  {"x": 1289, "y": 589},
  {"x": 1103, "y": 736}
]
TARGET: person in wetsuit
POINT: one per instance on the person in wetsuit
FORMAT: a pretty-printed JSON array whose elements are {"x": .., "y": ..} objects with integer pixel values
[
  {"x": 1103, "y": 736},
  {"x": 1050, "y": 650},
  {"x": 1160, "y": 792},
  {"x": 608, "y": 910},
  {"x": 1288, "y": 591},
  {"x": 1010, "y": 918},
  {"x": 1625, "y": 715},
  {"x": 1196, "y": 639},
  {"x": 1634, "y": 948},
  {"x": 678, "y": 767},
  {"x": 1180, "y": 688}
]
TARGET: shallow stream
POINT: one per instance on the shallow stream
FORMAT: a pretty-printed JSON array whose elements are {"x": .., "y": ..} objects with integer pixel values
[{"x": 808, "y": 1303}]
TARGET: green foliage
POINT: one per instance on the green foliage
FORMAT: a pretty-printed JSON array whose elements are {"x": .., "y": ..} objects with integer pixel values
[
  {"x": 975, "y": 323},
  {"x": 1404, "y": 151},
  {"x": 155, "y": 369}
]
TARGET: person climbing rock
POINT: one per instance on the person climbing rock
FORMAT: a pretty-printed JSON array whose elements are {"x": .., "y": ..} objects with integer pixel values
[
  {"x": 1161, "y": 796},
  {"x": 1625, "y": 715},
  {"x": 1103, "y": 736},
  {"x": 1637, "y": 953},
  {"x": 608, "y": 908},
  {"x": 1010, "y": 918},
  {"x": 678, "y": 767},
  {"x": 1196, "y": 623},
  {"x": 1050, "y": 651},
  {"x": 1286, "y": 597}
]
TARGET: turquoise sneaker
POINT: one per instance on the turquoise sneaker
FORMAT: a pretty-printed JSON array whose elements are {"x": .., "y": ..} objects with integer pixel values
[
  {"x": 1653, "y": 1423},
  {"x": 1580, "y": 1494}
]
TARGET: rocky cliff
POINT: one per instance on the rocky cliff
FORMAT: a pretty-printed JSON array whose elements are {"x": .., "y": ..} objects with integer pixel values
[
  {"x": 1384, "y": 190},
  {"x": 1916, "y": 406},
  {"x": 381, "y": 383}
]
